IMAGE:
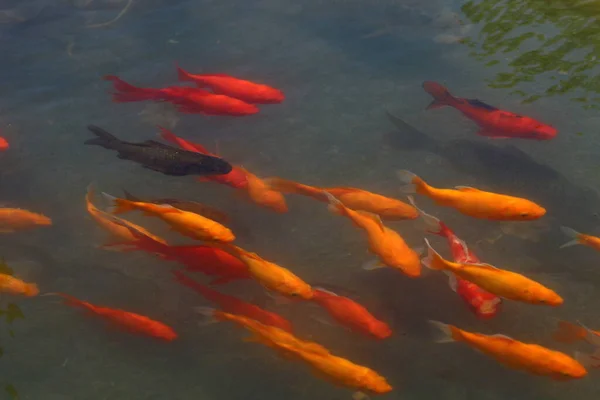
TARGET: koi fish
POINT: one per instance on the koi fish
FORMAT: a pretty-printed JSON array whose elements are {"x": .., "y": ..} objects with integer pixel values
[
  {"x": 17, "y": 219},
  {"x": 580, "y": 238},
  {"x": 3, "y": 144},
  {"x": 247, "y": 91},
  {"x": 493, "y": 122},
  {"x": 187, "y": 223},
  {"x": 262, "y": 194},
  {"x": 234, "y": 305},
  {"x": 483, "y": 304},
  {"x": 387, "y": 244},
  {"x": 12, "y": 285},
  {"x": 351, "y": 314},
  {"x": 527, "y": 357},
  {"x": 474, "y": 202},
  {"x": 186, "y": 99},
  {"x": 503, "y": 283},
  {"x": 236, "y": 178},
  {"x": 570, "y": 333},
  {"x": 133, "y": 322},
  {"x": 357, "y": 199}
]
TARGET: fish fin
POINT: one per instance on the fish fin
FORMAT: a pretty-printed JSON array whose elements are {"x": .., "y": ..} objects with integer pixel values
[
  {"x": 374, "y": 217},
  {"x": 320, "y": 289},
  {"x": 117, "y": 206},
  {"x": 104, "y": 138},
  {"x": 590, "y": 336},
  {"x": 167, "y": 208},
  {"x": 335, "y": 206},
  {"x": 433, "y": 260},
  {"x": 279, "y": 299},
  {"x": 452, "y": 281},
  {"x": 407, "y": 178},
  {"x": 568, "y": 332},
  {"x": 360, "y": 396},
  {"x": 208, "y": 313},
  {"x": 486, "y": 266},
  {"x": 322, "y": 321},
  {"x": 445, "y": 332},
  {"x": 432, "y": 223},
  {"x": 436, "y": 104},
  {"x": 588, "y": 360},
  {"x": 183, "y": 75},
  {"x": 501, "y": 336},
  {"x": 467, "y": 189},
  {"x": 571, "y": 233},
  {"x": 491, "y": 134},
  {"x": 373, "y": 265},
  {"x": 129, "y": 196}
]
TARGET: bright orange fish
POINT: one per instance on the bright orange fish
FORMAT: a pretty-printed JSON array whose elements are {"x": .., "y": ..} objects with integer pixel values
[
  {"x": 527, "y": 357},
  {"x": 16, "y": 219},
  {"x": 474, "y": 202},
  {"x": 11, "y": 285},
  {"x": 135, "y": 323},
  {"x": 356, "y": 199},
  {"x": 187, "y": 223},
  {"x": 247, "y": 91},
  {"x": 503, "y": 283},
  {"x": 387, "y": 244},
  {"x": 580, "y": 238},
  {"x": 263, "y": 195}
]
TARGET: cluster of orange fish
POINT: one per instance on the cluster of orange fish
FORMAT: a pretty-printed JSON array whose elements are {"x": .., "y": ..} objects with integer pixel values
[{"x": 481, "y": 286}]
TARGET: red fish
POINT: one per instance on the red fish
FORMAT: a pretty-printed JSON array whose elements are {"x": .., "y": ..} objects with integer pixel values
[
  {"x": 135, "y": 323},
  {"x": 493, "y": 122},
  {"x": 234, "y": 305},
  {"x": 3, "y": 144},
  {"x": 485, "y": 305},
  {"x": 236, "y": 178},
  {"x": 188, "y": 100},
  {"x": 351, "y": 314},
  {"x": 240, "y": 89}
]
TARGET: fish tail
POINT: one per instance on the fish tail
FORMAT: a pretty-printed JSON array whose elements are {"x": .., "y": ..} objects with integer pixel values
[
  {"x": 572, "y": 233},
  {"x": 118, "y": 206},
  {"x": 433, "y": 224},
  {"x": 441, "y": 95},
  {"x": 447, "y": 333},
  {"x": 412, "y": 183},
  {"x": 127, "y": 92},
  {"x": 183, "y": 75},
  {"x": 335, "y": 206},
  {"x": 569, "y": 333},
  {"x": 209, "y": 314},
  {"x": 191, "y": 283},
  {"x": 588, "y": 360},
  {"x": 104, "y": 138},
  {"x": 73, "y": 301},
  {"x": 129, "y": 196},
  {"x": 433, "y": 260}
]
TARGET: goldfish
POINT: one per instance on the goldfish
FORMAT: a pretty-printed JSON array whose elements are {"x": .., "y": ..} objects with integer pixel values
[
  {"x": 236, "y": 178},
  {"x": 12, "y": 285},
  {"x": 186, "y": 99},
  {"x": 247, "y": 91},
  {"x": 351, "y": 314},
  {"x": 493, "y": 122},
  {"x": 474, "y": 202},
  {"x": 503, "y": 283},
  {"x": 262, "y": 194},
  {"x": 187, "y": 223},
  {"x": 527, "y": 357},
  {"x": 271, "y": 275},
  {"x": 3, "y": 144},
  {"x": 234, "y": 305},
  {"x": 569, "y": 333},
  {"x": 482, "y": 303},
  {"x": 118, "y": 228},
  {"x": 387, "y": 244},
  {"x": 580, "y": 238},
  {"x": 16, "y": 219},
  {"x": 357, "y": 199}
]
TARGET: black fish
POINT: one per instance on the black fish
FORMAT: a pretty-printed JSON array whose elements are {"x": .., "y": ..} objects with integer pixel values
[{"x": 161, "y": 157}]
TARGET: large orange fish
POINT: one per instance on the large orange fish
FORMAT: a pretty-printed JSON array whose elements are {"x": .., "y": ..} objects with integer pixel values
[
  {"x": 262, "y": 194},
  {"x": 135, "y": 323},
  {"x": 474, "y": 202},
  {"x": 247, "y": 91},
  {"x": 387, "y": 244},
  {"x": 581, "y": 238},
  {"x": 16, "y": 219},
  {"x": 187, "y": 223},
  {"x": 357, "y": 199},
  {"x": 11, "y": 285},
  {"x": 532, "y": 358},
  {"x": 503, "y": 283}
]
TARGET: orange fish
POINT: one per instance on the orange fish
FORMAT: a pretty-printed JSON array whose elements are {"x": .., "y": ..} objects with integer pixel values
[
  {"x": 135, "y": 323},
  {"x": 532, "y": 358},
  {"x": 187, "y": 223},
  {"x": 351, "y": 314},
  {"x": 507, "y": 284},
  {"x": 581, "y": 238},
  {"x": 271, "y": 275},
  {"x": 474, "y": 202},
  {"x": 357, "y": 199},
  {"x": 263, "y": 195},
  {"x": 570, "y": 333},
  {"x": 3, "y": 144},
  {"x": 10, "y": 284},
  {"x": 387, "y": 244},
  {"x": 16, "y": 219}
]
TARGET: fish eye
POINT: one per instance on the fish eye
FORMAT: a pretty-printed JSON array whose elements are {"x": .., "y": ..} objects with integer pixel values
[
  {"x": 524, "y": 214},
  {"x": 295, "y": 294}
]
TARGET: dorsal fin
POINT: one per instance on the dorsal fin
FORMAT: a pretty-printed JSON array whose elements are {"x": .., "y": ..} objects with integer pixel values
[
  {"x": 486, "y": 266},
  {"x": 467, "y": 189},
  {"x": 373, "y": 217}
]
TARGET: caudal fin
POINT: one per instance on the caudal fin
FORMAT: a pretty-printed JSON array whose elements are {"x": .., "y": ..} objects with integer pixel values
[
  {"x": 433, "y": 224},
  {"x": 126, "y": 92},
  {"x": 118, "y": 206},
  {"x": 32, "y": 290},
  {"x": 104, "y": 139},
  {"x": 572, "y": 233},
  {"x": 183, "y": 75},
  {"x": 335, "y": 206},
  {"x": 433, "y": 260},
  {"x": 588, "y": 360},
  {"x": 441, "y": 95},
  {"x": 129, "y": 196},
  {"x": 445, "y": 334},
  {"x": 569, "y": 333}
]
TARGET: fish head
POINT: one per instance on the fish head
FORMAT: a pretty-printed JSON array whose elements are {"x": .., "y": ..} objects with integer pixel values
[
  {"x": 545, "y": 296},
  {"x": 566, "y": 368},
  {"x": 543, "y": 132},
  {"x": 42, "y": 220},
  {"x": 524, "y": 210},
  {"x": 380, "y": 329},
  {"x": 375, "y": 383}
]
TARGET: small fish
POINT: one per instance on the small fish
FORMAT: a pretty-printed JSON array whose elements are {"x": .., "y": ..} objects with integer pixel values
[
  {"x": 160, "y": 157},
  {"x": 17, "y": 219},
  {"x": 3, "y": 144},
  {"x": 580, "y": 238},
  {"x": 11, "y": 285},
  {"x": 262, "y": 194},
  {"x": 351, "y": 314},
  {"x": 234, "y": 305},
  {"x": 236, "y": 178},
  {"x": 186, "y": 223},
  {"x": 135, "y": 323},
  {"x": 570, "y": 333},
  {"x": 527, "y": 357},
  {"x": 474, "y": 202},
  {"x": 493, "y": 122},
  {"x": 247, "y": 91},
  {"x": 357, "y": 199},
  {"x": 186, "y": 99},
  {"x": 503, "y": 283},
  {"x": 185, "y": 205},
  {"x": 387, "y": 244}
]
